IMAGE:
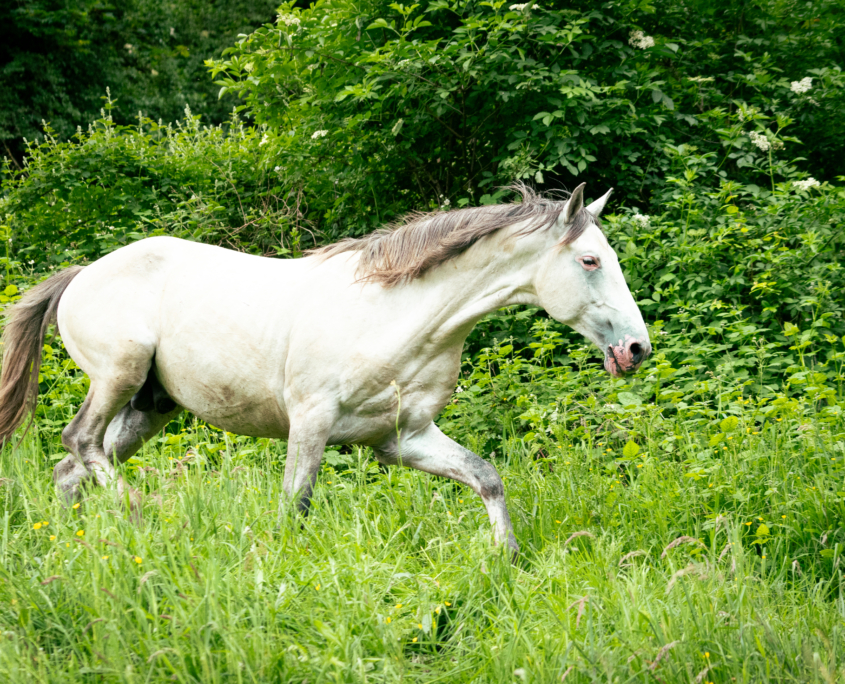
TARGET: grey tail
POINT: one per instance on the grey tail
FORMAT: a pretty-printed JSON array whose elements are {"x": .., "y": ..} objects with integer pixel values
[{"x": 23, "y": 339}]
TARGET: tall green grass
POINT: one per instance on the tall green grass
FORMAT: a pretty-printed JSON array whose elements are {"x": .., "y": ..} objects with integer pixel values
[{"x": 726, "y": 574}]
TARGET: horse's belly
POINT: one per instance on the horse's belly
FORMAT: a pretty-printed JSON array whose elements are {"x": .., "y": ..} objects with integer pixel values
[
  {"x": 243, "y": 403},
  {"x": 240, "y": 415}
]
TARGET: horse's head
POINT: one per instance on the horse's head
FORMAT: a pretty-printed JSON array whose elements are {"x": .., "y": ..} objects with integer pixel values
[{"x": 580, "y": 283}]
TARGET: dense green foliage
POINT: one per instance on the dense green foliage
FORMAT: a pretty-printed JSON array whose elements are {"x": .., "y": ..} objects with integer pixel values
[
  {"x": 114, "y": 184},
  {"x": 57, "y": 57},
  {"x": 379, "y": 108}
]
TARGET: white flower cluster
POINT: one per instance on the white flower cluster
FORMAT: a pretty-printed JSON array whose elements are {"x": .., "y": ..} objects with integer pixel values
[
  {"x": 763, "y": 142},
  {"x": 264, "y": 140},
  {"x": 518, "y": 8},
  {"x": 288, "y": 19},
  {"x": 760, "y": 140},
  {"x": 319, "y": 134},
  {"x": 701, "y": 79},
  {"x": 641, "y": 219},
  {"x": 806, "y": 184},
  {"x": 801, "y": 86},
  {"x": 640, "y": 40}
]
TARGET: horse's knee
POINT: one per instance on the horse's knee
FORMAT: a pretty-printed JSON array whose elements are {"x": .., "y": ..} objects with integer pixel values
[
  {"x": 490, "y": 485},
  {"x": 69, "y": 439}
]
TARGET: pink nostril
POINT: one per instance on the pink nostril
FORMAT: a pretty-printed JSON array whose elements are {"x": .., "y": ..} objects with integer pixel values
[{"x": 638, "y": 352}]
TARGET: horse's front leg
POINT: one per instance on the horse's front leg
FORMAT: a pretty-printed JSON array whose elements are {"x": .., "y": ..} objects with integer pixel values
[
  {"x": 306, "y": 442},
  {"x": 433, "y": 452}
]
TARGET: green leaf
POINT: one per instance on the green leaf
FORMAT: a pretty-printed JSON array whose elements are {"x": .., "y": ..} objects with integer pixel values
[
  {"x": 629, "y": 399},
  {"x": 729, "y": 424},
  {"x": 10, "y": 290},
  {"x": 763, "y": 530},
  {"x": 718, "y": 438},
  {"x": 378, "y": 23},
  {"x": 631, "y": 449}
]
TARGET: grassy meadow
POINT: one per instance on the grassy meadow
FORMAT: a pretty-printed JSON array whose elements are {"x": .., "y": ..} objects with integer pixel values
[{"x": 647, "y": 571}]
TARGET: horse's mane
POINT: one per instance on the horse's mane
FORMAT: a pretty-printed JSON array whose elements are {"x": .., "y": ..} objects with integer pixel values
[{"x": 420, "y": 241}]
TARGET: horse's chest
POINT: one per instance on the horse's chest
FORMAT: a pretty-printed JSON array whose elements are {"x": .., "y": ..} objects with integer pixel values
[{"x": 372, "y": 407}]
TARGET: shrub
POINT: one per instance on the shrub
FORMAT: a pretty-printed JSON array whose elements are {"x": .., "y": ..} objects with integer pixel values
[
  {"x": 398, "y": 107},
  {"x": 112, "y": 184}
]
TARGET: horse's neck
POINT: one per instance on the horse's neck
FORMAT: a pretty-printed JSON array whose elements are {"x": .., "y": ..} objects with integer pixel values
[{"x": 498, "y": 271}]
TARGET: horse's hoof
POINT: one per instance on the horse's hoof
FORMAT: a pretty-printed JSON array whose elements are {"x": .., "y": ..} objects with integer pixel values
[{"x": 70, "y": 477}]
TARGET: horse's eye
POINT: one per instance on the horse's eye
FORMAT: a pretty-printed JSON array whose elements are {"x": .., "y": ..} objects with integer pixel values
[{"x": 590, "y": 263}]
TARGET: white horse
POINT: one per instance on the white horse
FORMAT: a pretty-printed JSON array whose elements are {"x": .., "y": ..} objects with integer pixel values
[{"x": 357, "y": 343}]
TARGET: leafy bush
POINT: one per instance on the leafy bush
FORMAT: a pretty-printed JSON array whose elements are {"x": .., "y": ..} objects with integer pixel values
[
  {"x": 59, "y": 57},
  {"x": 436, "y": 103},
  {"x": 80, "y": 199}
]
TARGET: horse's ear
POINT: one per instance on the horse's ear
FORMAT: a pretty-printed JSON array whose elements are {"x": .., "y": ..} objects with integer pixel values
[
  {"x": 597, "y": 207},
  {"x": 574, "y": 204}
]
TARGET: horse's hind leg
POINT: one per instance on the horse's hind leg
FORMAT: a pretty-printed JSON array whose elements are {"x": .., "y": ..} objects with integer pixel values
[
  {"x": 129, "y": 429},
  {"x": 84, "y": 437},
  {"x": 126, "y": 433}
]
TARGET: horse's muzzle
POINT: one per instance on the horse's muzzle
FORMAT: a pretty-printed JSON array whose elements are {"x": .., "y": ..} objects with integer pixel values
[{"x": 627, "y": 356}]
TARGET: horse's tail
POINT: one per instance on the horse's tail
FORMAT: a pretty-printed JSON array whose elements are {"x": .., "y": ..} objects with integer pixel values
[{"x": 23, "y": 339}]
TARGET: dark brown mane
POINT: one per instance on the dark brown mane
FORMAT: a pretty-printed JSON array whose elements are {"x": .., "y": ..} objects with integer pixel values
[{"x": 421, "y": 241}]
